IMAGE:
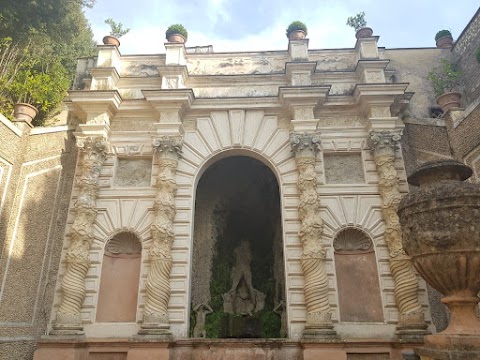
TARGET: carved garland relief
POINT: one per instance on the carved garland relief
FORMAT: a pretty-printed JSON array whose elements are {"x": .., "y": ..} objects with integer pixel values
[
  {"x": 319, "y": 323},
  {"x": 68, "y": 318},
  {"x": 155, "y": 317},
  {"x": 384, "y": 144}
]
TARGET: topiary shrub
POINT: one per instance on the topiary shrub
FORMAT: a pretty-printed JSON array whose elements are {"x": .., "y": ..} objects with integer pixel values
[
  {"x": 443, "y": 33},
  {"x": 176, "y": 29},
  {"x": 296, "y": 25}
]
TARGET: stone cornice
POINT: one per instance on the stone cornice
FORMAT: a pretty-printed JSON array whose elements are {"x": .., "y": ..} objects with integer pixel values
[
  {"x": 169, "y": 97},
  {"x": 92, "y": 98},
  {"x": 385, "y": 93},
  {"x": 303, "y": 95},
  {"x": 102, "y": 72}
]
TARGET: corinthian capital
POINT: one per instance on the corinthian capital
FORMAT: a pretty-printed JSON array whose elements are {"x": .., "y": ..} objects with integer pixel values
[
  {"x": 168, "y": 146},
  {"x": 384, "y": 142},
  {"x": 94, "y": 147},
  {"x": 305, "y": 144}
]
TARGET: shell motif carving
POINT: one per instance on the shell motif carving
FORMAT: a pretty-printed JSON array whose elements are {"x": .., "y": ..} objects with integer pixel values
[
  {"x": 352, "y": 240},
  {"x": 124, "y": 243}
]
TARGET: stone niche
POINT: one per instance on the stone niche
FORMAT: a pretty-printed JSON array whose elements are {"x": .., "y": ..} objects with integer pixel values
[
  {"x": 357, "y": 277},
  {"x": 238, "y": 277},
  {"x": 117, "y": 298}
]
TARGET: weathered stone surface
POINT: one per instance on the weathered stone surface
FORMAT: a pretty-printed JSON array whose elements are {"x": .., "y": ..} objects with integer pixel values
[
  {"x": 440, "y": 222},
  {"x": 343, "y": 168}
]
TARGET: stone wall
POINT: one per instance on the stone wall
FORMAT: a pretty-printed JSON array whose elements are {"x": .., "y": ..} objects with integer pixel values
[
  {"x": 464, "y": 53},
  {"x": 424, "y": 140},
  {"x": 464, "y": 135},
  {"x": 36, "y": 173}
]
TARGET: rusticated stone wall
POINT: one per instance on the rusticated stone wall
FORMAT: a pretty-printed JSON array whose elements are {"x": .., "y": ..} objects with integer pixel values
[
  {"x": 36, "y": 176},
  {"x": 464, "y": 53}
]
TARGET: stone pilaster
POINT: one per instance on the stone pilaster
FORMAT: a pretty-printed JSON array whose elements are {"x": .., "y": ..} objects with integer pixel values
[
  {"x": 155, "y": 313},
  {"x": 412, "y": 318},
  {"x": 319, "y": 323},
  {"x": 68, "y": 318}
]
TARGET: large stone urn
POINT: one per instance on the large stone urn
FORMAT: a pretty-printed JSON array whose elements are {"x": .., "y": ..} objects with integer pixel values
[{"x": 441, "y": 232}]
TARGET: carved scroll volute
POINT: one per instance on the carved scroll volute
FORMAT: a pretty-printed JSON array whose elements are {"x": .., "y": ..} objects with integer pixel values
[
  {"x": 319, "y": 324},
  {"x": 384, "y": 144},
  {"x": 68, "y": 320},
  {"x": 155, "y": 317}
]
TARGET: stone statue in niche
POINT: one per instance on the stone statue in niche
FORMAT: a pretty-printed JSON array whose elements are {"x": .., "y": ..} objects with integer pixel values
[
  {"x": 243, "y": 299},
  {"x": 281, "y": 311},
  {"x": 202, "y": 311}
]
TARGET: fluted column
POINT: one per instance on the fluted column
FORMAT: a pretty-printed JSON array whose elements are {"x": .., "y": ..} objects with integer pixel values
[
  {"x": 68, "y": 317},
  {"x": 155, "y": 313},
  {"x": 319, "y": 323},
  {"x": 412, "y": 318}
]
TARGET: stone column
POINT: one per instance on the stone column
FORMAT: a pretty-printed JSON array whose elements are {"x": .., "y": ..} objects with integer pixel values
[
  {"x": 412, "y": 318},
  {"x": 155, "y": 313},
  {"x": 319, "y": 323},
  {"x": 68, "y": 318}
]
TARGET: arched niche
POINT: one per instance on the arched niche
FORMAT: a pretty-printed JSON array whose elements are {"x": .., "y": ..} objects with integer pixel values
[
  {"x": 357, "y": 277},
  {"x": 237, "y": 206},
  {"x": 117, "y": 298}
]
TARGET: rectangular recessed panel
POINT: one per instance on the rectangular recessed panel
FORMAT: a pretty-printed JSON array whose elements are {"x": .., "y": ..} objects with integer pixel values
[
  {"x": 343, "y": 168},
  {"x": 133, "y": 173}
]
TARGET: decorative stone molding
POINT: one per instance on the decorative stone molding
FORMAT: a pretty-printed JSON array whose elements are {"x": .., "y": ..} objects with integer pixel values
[
  {"x": 68, "y": 319},
  {"x": 319, "y": 323},
  {"x": 155, "y": 316},
  {"x": 124, "y": 243},
  {"x": 352, "y": 240},
  {"x": 412, "y": 318}
]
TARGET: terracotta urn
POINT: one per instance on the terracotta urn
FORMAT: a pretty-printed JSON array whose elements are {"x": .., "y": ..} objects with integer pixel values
[
  {"x": 445, "y": 42},
  {"x": 297, "y": 35},
  {"x": 111, "y": 40},
  {"x": 449, "y": 100},
  {"x": 441, "y": 232},
  {"x": 176, "y": 38},
  {"x": 364, "y": 33},
  {"x": 25, "y": 112}
]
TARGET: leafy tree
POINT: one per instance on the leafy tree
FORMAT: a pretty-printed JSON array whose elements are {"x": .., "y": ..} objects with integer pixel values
[{"x": 42, "y": 40}]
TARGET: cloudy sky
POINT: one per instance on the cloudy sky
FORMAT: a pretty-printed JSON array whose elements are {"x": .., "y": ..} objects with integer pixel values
[{"x": 241, "y": 25}]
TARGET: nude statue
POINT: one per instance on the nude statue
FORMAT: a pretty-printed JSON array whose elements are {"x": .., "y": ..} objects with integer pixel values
[{"x": 202, "y": 311}]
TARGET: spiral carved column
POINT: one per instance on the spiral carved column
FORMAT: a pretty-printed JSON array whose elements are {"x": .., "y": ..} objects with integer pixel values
[
  {"x": 155, "y": 313},
  {"x": 412, "y": 318},
  {"x": 319, "y": 323},
  {"x": 68, "y": 317}
]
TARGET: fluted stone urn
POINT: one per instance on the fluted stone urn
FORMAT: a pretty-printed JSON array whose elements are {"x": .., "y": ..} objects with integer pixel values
[{"x": 441, "y": 232}]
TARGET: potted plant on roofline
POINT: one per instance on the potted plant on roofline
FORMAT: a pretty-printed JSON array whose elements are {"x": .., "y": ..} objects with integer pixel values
[
  {"x": 176, "y": 33},
  {"x": 444, "y": 39},
  {"x": 445, "y": 79},
  {"x": 359, "y": 23},
  {"x": 297, "y": 30},
  {"x": 116, "y": 31}
]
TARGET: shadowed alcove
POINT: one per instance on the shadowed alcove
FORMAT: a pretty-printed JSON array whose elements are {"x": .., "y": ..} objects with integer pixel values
[{"x": 238, "y": 269}]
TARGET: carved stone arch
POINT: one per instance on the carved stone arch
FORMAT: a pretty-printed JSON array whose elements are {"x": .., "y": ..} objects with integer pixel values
[
  {"x": 231, "y": 152},
  {"x": 352, "y": 239},
  {"x": 357, "y": 276},
  {"x": 119, "y": 281},
  {"x": 255, "y": 134},
  {"x": 124, "y": 242},
  {"x": 223, "y": 220}
]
